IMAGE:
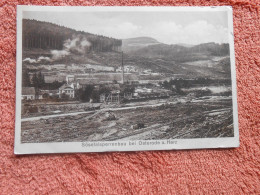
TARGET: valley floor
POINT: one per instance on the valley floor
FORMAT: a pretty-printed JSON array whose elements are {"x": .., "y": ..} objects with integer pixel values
[{"x": 155, "y": 120}]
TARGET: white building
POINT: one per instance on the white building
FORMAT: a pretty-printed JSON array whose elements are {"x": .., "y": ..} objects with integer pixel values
[
  {"x": 70, "y": 78},
  {"x": 28, "y": 93},
  {"x": 68, "y": 90}
]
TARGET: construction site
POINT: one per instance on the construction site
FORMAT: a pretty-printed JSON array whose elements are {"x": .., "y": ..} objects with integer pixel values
[
  {"x": 161, "y": 119},
  {"x": 86, "y": 87},
  {"x": 148, "y": 111}
]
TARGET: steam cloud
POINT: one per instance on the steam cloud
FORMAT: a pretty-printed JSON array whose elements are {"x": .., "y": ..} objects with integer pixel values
[
  {"x": 40, "y": 59},
  {"x": 30, "y": 60},
  {"x": 59, "y": 54},
  {"x": 77, "y": 45}
]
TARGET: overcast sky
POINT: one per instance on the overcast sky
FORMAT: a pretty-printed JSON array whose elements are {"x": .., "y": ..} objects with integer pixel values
[{"x": 167, "y": 27}]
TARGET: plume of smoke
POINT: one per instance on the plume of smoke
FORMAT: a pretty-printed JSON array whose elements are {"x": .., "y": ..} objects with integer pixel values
[
  {"x": 35, "y": 61},
  {"x": 30, "y": 60},
  {"x": 77, "y": 45},
  {"x": 42, "y": 58},
  {"x": 71, "y": 43},
  {"x": 85, "y": 43},
  {"x": 59, "y": 54}
]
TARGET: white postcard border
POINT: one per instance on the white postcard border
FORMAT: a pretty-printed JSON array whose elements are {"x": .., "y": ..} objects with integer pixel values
[{"x": 78, "y": 147}]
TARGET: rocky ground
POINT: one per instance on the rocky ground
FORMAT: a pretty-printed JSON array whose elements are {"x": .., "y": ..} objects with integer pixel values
[{"x": 200, "y": 118}]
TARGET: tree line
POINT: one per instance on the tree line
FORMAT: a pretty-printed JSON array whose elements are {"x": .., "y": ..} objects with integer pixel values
[
  {"x": 45, "y": 35},
  {"x": 90, "y": 93},
  {"x": 186, "y": 83},
  {"x": 38, "y": 82}
]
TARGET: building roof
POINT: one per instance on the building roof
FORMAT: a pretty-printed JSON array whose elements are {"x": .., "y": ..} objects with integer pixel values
[
  {"x": 28, "y": 91},
  {"x": 41, "y": 92},
  {"x": 66, "y": 86},
  {"x": 88, "y": 81},
  {"x": 107, "y": 77},
  {"x": 53, "y": 78}
]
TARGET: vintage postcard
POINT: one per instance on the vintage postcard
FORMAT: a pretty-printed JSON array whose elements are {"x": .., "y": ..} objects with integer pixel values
[{"x": 96, "y": 79}]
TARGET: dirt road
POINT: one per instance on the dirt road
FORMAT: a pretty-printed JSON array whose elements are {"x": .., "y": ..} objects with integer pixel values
[{"x": 87, "y": 112}]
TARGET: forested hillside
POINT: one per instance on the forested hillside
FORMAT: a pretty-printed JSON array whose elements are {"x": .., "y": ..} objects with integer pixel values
[
  {"x": 48, "y": 36},
  {"x": 47, "y": 43},
  {"x": 180, "y": 53}
]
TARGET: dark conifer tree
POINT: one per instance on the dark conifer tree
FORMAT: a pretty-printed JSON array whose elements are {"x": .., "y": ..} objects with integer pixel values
[{"x": 26, "y": 79}]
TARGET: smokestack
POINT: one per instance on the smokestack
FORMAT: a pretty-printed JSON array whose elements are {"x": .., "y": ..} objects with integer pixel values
[{"x": 123, "y": 70}]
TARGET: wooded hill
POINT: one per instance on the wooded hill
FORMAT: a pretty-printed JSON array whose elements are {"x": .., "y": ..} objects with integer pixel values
[
  {"x": 179, "y": 53},
  {"x": 48, "y": 36}
]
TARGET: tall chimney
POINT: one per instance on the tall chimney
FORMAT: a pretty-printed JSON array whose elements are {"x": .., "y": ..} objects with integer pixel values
[{"x": 123, "y": 70}]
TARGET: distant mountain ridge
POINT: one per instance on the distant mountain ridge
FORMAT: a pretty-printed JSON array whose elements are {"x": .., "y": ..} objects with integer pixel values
[
  {"x": 136, "y": 43},
  {"x": 141, "y": 40},
  {"x": 47, "y": 43},
  {"x": 180, "y": 53},
  {"x": 185, "y": 45}
]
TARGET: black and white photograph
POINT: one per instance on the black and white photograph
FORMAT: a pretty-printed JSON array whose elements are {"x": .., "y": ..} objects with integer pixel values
[{"x": 96, "y": 79}]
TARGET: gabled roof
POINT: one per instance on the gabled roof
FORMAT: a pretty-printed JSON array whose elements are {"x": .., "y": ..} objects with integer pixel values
[
  {"x": 28, "y": 91},
  {"x": 41, "y": 92},
  {"x": 66, "y": 86}
]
